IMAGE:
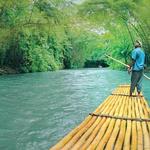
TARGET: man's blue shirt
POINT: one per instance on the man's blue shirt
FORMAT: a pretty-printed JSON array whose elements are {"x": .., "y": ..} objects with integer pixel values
[{"x": 139, "y": 56}]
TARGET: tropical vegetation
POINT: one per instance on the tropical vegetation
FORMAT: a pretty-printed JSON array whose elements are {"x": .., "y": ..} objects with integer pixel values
[{"x": 43, "y": 35}]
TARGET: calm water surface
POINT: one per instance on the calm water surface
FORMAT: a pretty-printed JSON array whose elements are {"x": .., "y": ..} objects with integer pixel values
[{"x": 38, "y": 109}]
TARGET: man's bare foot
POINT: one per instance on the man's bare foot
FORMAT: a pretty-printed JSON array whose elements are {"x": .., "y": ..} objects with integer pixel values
[
  {"x": 130, "y": 94},
  {"x": 139, "y": 93}
]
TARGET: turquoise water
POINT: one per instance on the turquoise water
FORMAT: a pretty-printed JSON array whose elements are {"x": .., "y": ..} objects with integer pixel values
[{"x": 38, "y": 109}]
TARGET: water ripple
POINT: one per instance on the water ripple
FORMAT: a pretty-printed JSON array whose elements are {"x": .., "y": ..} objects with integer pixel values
[{"x": 38, "y": 109}]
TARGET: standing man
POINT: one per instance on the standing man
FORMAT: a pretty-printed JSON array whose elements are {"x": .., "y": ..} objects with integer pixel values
[{"x": 137, "y": 68}]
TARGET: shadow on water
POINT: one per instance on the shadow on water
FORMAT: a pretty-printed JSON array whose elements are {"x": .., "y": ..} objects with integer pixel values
[{"x": 38, "y": 109}]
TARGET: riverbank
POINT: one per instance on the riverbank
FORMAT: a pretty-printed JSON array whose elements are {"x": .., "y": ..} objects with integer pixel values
[{"x": 8, "y": 70}]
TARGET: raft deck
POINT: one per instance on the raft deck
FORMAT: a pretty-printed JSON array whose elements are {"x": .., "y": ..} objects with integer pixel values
[{"x": 120, "y": 122}]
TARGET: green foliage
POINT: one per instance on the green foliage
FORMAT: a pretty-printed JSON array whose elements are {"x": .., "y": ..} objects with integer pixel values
[
  {"x": 124, "y": 20},
  {"x": 28, "y": 41},
  {"x": 47, "y": 35},
  {"x": 37, "y": 54}
]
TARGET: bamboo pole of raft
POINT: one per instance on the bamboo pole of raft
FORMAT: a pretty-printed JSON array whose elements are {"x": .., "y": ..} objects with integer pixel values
[
  {"x": 125, "y": 65},
  {"x": 85, "y": 136},
  {"x": 96, "y": 129},
  {"x": 108, "y": 133},
  {"x": 103, "y": 128},
  {"x": 111, "y": 133},
  {"x": 118, "y": 124}
]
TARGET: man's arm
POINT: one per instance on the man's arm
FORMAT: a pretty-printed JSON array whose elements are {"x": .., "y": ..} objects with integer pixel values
[
  {"x": 132, "y": 63},
  {"x": 133, "y": 56}
]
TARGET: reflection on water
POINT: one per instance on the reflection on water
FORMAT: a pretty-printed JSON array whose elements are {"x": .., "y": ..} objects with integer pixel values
[{"x": 38, "y": 109}]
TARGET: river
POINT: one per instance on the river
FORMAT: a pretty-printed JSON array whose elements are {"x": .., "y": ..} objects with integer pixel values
[{"x": 38, "y": 109}]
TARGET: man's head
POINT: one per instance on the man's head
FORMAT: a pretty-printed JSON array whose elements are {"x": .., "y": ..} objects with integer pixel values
[{"x": 138, "y": 44}]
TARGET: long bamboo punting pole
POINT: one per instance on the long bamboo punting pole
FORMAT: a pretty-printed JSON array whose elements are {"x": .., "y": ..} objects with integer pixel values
[{"x": 124, "y": 65}]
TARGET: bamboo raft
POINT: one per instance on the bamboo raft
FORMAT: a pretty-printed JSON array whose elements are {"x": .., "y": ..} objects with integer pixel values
[{"x": 120, "y": 122}]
